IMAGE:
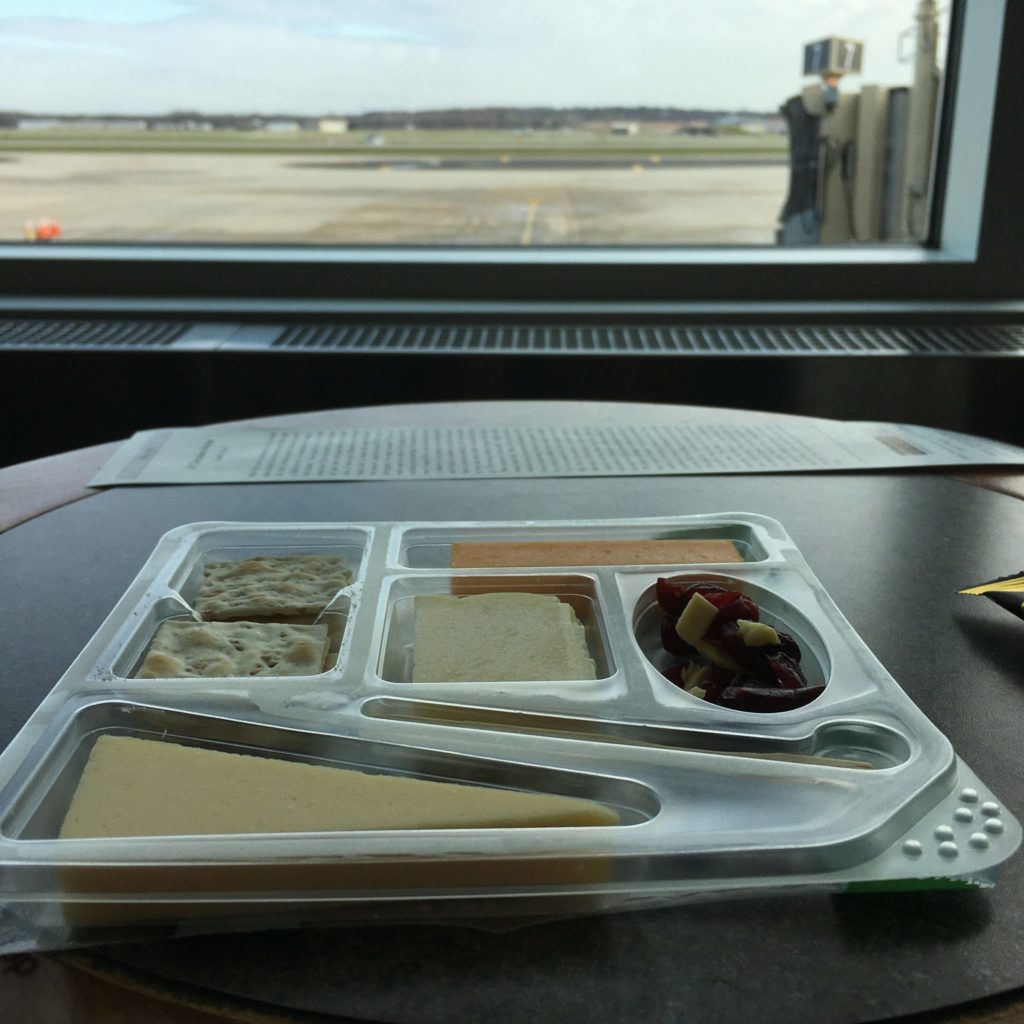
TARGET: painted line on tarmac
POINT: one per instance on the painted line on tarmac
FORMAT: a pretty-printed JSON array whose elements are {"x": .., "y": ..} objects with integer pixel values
[{"x": 531, "y": 216}]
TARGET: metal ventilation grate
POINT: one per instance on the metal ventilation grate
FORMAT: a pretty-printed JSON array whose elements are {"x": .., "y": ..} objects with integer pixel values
[
  {"x": 519, "y": 339},
  {"x": 787, "y": 340},
  {"x": 90, "y": 334}
]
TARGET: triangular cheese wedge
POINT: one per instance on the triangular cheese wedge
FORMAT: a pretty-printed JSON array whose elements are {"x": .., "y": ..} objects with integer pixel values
[{"x": 137, "y": 787}]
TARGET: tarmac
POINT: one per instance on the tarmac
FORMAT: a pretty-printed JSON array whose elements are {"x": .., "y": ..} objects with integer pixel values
[{"x": 285, "y": 199}]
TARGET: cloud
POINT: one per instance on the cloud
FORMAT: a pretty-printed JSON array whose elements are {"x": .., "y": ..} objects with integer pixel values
[
  {"x": 318, "y": 56},
  {"x": 356, "y": 31},
  {"x": 110, "y": 11},
  {"x": 46, "y": 43}
]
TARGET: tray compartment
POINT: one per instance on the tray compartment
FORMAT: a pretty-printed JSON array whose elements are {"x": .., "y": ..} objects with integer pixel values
[
  {"x": 431, "y": 547},
  {"x": 580, "y": 591},
  {"x": 846, "y": 742},
  {"x": 236, "y": 544},
  {"x": 142, "y": 627},
  {"x": 33, "y": 806},
  {"x": 775, "y": 610},
  {"x": 129, "y": 660},
  {"x": 103, "y": 883}
]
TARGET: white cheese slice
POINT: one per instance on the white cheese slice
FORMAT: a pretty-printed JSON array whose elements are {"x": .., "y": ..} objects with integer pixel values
[
  {"x": 698, "y": 614},
  {"x": 757, "y": 634},
  {"x": 498, "y": 637},
  {"x": 137, "y": 787}
]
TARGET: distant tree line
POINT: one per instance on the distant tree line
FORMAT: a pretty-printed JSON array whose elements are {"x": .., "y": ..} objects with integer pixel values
[
  {"x": 479, "y": 118},
  {"x": 536, "y": 118}
]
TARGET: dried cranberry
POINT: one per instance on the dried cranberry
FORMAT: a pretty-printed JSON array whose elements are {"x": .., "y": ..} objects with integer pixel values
[
  {"x": 750, "y": 658},
  {"x": 741, "y": 608},
  {"x": 787, "y": 645},
  {"x": 744, "y": 678},
  {"x": 731, "y": 636},
  {"x": 712, "y": 690},
  {"x": 768, "y": 698},
  {"x": 721, "y": 675},
  {"x": 786, "y": 671},
  {"x": 672, "y": 641},
  {"x": 713, "y": 593},
  {"x": 716, "y": 680},
  {"x": 670, "y": 597},
  {"x": 674, "y": 674}
]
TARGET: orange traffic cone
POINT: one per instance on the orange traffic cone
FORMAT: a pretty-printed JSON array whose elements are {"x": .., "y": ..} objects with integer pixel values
[{"x": 48, "y": 230}]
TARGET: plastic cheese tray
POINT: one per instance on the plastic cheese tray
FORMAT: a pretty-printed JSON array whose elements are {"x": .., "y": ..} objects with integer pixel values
[{"x": 857, "y": 789}]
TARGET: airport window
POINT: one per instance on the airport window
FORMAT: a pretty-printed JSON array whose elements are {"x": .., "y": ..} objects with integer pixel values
[
  {"x": 607, "y": 123},
  {"x": 419, "y": 148}
]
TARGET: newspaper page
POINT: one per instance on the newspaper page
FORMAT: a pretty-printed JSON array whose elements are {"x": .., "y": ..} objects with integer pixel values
[{"x": 261, "y": 455}]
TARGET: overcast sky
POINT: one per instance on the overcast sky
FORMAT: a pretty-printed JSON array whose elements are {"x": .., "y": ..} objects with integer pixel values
[{"x": 351, "y": 56}]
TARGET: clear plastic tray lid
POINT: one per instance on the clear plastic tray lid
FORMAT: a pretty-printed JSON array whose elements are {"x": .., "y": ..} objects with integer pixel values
[{"x": 855, "y": 788}]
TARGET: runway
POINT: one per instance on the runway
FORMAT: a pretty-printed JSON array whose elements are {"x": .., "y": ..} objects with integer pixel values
[
  {"x": 279, "y": 199},
  {"x": 498, "y": 163}
]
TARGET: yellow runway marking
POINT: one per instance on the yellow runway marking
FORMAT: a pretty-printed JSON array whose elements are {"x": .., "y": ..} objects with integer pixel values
[{"x": 531, "y": 216}]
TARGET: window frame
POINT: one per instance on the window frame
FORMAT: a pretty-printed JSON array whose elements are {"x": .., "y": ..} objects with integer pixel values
[{"x": 977, "y": 226}]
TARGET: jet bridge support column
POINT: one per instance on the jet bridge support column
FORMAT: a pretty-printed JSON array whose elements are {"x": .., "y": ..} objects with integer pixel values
[{"x": 861, "y": 163}]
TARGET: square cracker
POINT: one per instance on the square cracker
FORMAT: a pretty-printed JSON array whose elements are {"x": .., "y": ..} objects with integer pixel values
[
  {"x": 184, "y": 649},
  {"x": 271, "y": 588}
]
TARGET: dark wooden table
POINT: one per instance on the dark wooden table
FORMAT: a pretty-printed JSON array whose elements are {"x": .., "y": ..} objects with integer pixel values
[{"x": 891, "y": 548}]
